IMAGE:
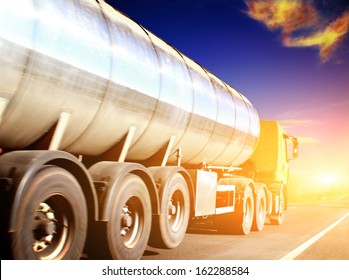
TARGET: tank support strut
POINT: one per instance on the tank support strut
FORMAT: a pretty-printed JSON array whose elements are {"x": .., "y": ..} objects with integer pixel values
[
  {"x": 127, "y": 143},
  {"x": 59, "y": 131},
  {"x": 168, "y": 150},
  {"x": 3, "y": 104}
]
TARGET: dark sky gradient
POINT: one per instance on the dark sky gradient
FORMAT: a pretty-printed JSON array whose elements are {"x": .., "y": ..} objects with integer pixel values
[
  {"x": 243, "y": 52},
  {"x": 290, "y": 84}
]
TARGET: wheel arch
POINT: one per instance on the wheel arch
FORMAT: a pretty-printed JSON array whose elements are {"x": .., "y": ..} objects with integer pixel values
[
  {"x": 112, "y": 174},
  {"x": 20, "y": 167},
  {"x": 161, "y": 174}
]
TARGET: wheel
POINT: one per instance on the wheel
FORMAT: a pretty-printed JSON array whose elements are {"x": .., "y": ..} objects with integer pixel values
[
  {"x": 240, "y": 221},
  {"x": 260, "y": 211},
  {"x": 170, "y": 227},
  {"x": 52, "y": 219},
  {"x": 129, "y": 226},
  {"x": 278, "y": 218}
]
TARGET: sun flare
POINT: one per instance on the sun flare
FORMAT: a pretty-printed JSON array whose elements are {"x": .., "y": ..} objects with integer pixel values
[
  {"x": 329, "y": 178},
  {"x": 333, "y": 181}
]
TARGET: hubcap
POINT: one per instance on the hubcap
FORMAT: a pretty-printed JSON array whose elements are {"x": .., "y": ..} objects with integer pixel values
[
  {"x": 131, "y": 222},
  {"x": 52, "y": 228},
  {"x": 248, "y": 211},
  {"x": 261, "y": 213},
  {"x": 44, "y": 227},
  {"x": 176, "y": 211}
]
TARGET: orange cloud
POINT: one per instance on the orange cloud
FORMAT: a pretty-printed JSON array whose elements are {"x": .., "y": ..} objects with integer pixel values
[
  {"x": 297, "y": 15},
  {"x": 285, "y": 14},
  {"x": 326, "y": 40}
]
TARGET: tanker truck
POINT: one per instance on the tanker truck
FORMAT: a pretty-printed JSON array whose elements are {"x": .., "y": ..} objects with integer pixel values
[{"x": 112, "y": 140}]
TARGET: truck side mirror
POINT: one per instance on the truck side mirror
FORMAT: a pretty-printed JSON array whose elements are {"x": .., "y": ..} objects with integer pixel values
[
  {"x": 291, "y": 147},
  {"x": 295, "y": 147}
]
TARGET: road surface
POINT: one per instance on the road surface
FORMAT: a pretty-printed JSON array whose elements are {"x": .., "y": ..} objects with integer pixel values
[{"x": 317, "y": 231}]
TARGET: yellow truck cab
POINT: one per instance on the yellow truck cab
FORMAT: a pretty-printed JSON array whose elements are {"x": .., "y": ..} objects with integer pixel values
[{"x": 269, "y": 164}]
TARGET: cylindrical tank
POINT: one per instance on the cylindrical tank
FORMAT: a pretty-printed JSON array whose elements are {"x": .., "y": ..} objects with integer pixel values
[{"x": 109, "y": 73}]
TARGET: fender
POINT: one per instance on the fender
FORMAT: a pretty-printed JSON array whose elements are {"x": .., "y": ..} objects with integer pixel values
[
  {"x": 240, "y": 183},
  {"x": 162, "y": 174},
  {"x": 18, "y": 169},
  {"x": 111, "y": 174}
]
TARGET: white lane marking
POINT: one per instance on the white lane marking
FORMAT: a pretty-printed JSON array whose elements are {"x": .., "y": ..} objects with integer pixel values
[{"x": 300, "y": 249}]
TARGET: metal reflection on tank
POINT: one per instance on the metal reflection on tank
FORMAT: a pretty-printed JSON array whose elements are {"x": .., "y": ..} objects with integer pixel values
[{"x": 108, "y": 73}]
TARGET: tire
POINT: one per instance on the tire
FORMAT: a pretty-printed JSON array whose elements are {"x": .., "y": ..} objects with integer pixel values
[
  {"x": 278, "y": 218},
  {"x": 129, "y": 226},
  {"x": 260, "y": 211},
  {"x": 240, "y": 221},
  {"x": 51, "y": 222},
  {"x": 171, "y": 225}
]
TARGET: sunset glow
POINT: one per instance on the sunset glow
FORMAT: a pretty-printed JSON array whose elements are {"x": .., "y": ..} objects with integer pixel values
[{"x": 329, "y": 178}]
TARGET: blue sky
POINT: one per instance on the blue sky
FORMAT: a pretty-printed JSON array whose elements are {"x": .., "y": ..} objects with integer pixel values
[
  {"x": 243, "y": 52},
  {"x": 309, "y": 95}
]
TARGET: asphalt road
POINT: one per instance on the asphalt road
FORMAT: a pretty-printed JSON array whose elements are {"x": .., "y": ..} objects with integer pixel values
[{"x": 304, "y": 235}]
